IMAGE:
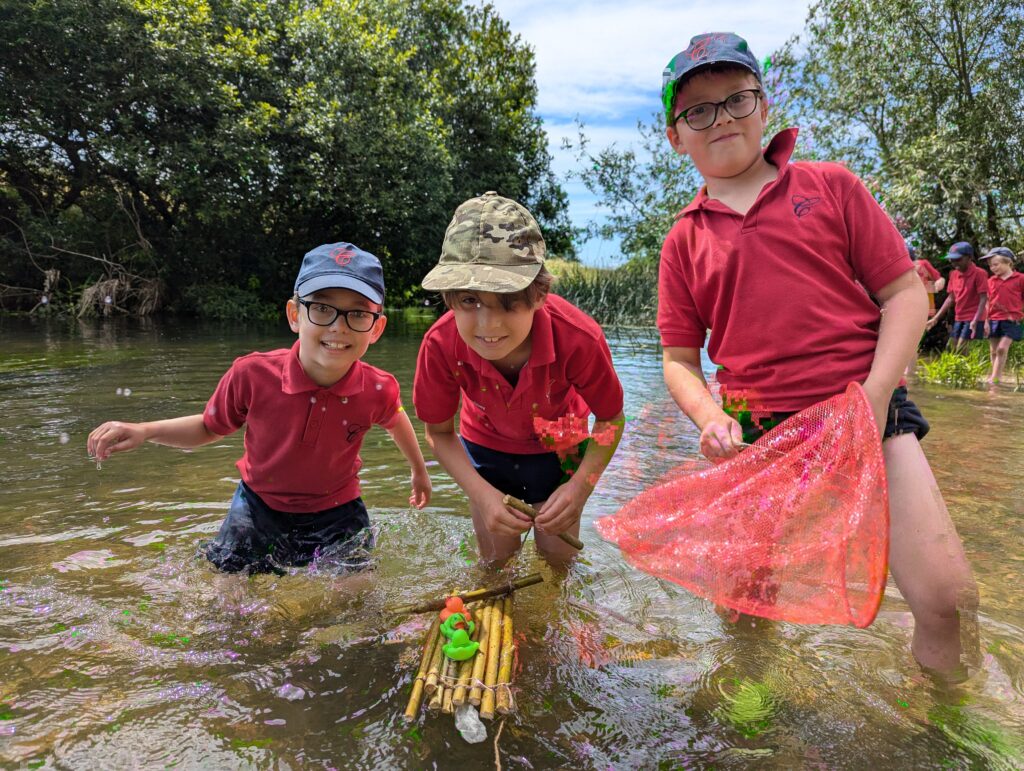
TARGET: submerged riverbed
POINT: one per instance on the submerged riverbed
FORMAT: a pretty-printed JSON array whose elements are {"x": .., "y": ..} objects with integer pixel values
[{"x": 120, "y": 648}]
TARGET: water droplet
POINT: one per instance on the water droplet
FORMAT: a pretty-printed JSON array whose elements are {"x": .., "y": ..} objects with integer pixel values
[
  {"x": 127, "y": 392},
  {"x": 108, "y": 300},
  {"x": 119, "y": 391},
  {"x": 64, "y": 438},
  {"x": 99, "y": 466},
  {"x": 312, "y": 399},
  {"x": 45, "y": 300},
  {"x": 378, "y": 386}
]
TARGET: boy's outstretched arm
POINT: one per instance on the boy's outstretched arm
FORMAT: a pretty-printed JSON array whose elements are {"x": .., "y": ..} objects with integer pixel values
[
  {"x": 498, "y": 518},
  {"x": 114, "y": 436},
  {"x": 940, "y": 312},
  {"x": 565, "y": 505},
  {"x": 405, "y": 437},
  {"x": 904, "y": 313},
  {"x": 720, "y": 435}
]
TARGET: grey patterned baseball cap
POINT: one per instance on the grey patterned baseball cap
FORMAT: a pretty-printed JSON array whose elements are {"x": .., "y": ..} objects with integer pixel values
[{"x": 492, "y": 244}]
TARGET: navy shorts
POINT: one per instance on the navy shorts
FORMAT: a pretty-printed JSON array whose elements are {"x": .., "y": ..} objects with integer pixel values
[
  {"x": 1010, "y": 329},
  {"x": 962, "y": 329},
  {"x": 903, "y": 417},
  {"x": 258, "y": 539},
  {"x": 531, "y": 478}
]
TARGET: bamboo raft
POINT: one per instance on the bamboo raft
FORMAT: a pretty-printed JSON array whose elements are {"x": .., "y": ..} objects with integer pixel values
[{"x": 485, "y": 679}]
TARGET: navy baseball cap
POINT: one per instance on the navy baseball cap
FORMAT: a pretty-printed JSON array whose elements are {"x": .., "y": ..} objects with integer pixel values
[
  {"x": 704, "y": 51},
  {"x": 341, "y": 266},
  {"x": 960, "y": 249},
  {"x": 999, "y": 251}
]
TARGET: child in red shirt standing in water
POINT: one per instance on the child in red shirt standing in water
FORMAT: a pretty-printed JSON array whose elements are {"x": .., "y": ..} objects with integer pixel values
[
  {"x": 518, "y": 357},
  {"x": 933, "y": 282},
  {"x": 1005, "y": 308},
  {"x": 768, "y": 256},
  {"x": 305, "y": 410},
  {"x": 968, "y": 291}
]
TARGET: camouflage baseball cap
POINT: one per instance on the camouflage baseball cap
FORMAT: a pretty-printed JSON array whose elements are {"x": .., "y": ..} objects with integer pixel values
[{"x": 492, "y": 244}]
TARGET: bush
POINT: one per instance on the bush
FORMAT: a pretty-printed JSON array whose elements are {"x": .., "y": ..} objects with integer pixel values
[
  {"x": 957, "y": 370},
  {"x": 624, "y": 296}
]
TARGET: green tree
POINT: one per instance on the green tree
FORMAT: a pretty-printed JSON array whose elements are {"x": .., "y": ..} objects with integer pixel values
[
  {"x": 204, "y": 145},
  {"x": 924, "y": 99}
]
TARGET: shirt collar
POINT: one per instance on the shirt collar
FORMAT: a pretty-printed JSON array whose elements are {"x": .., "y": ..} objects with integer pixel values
[
  {"x": 777, "y": 153},
  {"x": 294, "y": 379}
]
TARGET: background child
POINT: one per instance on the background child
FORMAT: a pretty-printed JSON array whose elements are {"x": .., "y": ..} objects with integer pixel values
[
  {"x": 968, "y": 291},
  {"x": 1005, "y": 308},
  {"x": 933, "y": 282},
  {"x": 306, "y": 410},
  {"x": 515, "y": 354},
  {"x": 768, "y": 256}
]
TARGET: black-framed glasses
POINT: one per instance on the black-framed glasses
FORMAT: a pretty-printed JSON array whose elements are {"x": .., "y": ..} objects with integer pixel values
[
  {"x": 323, "y": 315},
  {"x": 703, "y": 116}
]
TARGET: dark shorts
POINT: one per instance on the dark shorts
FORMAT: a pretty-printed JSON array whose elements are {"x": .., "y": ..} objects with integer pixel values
[
  {"x": 1010, "y": 329},
  {"x": 903, "y": 418},
  {"x": 258, "y": 539},
  {"x": 962, "y": 329},
  {"x": 531, "y": 478}
]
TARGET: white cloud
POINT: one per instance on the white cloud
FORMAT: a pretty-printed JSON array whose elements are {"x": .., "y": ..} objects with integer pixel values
[{"x": 602, "y": 61}]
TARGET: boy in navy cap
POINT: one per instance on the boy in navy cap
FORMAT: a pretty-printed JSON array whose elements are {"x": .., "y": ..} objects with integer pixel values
[
  {"x": 773, "y": 258},
  {"x": 968, "y": 291},
  {"x": 306, "y": 410}
]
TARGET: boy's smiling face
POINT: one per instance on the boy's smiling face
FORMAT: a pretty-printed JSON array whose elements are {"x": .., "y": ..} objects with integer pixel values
[
  {"x": 327, "y": 353},
  {"x": 730, "y": 146},
  {"x": 498, "y": 335}
]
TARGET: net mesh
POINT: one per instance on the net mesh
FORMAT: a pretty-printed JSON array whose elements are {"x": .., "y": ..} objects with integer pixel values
[{"x": 795, "y": 528}]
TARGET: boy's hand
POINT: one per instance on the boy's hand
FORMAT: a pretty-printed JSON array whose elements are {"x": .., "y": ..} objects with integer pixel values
[
  {"x": 114, "y": 436},
  {"x": 930, "y": 324},
  {"x": 421, "y": 488},
  {"x": 984, "y": 330},
  {"x": 499, "y": 518},
  {"x": 721, "y": 438},
  {"x": 564, "y": 507}
]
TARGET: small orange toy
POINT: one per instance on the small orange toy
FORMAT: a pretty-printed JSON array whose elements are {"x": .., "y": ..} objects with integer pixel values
[{"x": 454, "y": 605}]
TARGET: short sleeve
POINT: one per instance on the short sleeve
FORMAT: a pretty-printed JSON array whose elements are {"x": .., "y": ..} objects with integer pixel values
[
  {"x": 981, "y": 280},
  {"x": 435, "y": 392},
  {"x": 930, "y": 270},
  {"x": 679, "y": 322},
  {"x": 593, "y": 375},
  {"x": 228, "y": 408},
  {"x": 389, "y": 407},
  {"x": 878, "y": 252}
]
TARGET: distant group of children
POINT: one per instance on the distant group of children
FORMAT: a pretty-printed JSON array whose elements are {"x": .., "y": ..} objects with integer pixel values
[
  {"x": 771, "y": 256},
  {"x": 984, "y": 305}
]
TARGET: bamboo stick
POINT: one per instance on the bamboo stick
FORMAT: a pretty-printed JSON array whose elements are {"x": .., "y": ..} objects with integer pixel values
[
  {"x": 416, "y": 697},
  {"x": 531, "y": 512},
  {"x": 504, "y": 699},
  {"x": 494, "y": 634},
  {"x": 434, "y": 668},
  {"x": 437, "y": 699},
  {"x": 476, "y": 594},
  {"x": 449, "y": 686},
  {"x": 480, "y": 660},
  {"x": 466, "y": 667}
]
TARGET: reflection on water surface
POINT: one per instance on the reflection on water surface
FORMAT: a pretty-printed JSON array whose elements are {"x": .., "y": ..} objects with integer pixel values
[{"x": 120, "y": 648}]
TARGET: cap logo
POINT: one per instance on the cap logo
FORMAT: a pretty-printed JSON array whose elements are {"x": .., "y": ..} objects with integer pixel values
[
  {"x": 700, "y": 51},
  {"x": 342, "y": 256}
]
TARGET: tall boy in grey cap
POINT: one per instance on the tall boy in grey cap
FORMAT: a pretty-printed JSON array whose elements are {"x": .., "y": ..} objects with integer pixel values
[
  {"x": 528, "y": 367},
  {"x": 773, "y": 257},
  {"x": 306, "y": 410}
]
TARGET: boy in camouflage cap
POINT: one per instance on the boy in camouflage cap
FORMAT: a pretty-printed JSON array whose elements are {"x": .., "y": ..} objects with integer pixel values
[{"x": 521, "y": 360}]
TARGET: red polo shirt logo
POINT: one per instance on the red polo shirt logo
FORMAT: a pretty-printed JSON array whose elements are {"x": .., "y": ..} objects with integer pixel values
[{"x": 343, "y": 256}]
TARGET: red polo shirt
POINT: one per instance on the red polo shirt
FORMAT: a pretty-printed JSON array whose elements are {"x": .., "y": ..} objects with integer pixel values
[
  {"x": 927, "y": 272},
  {"x": 1006, "y": 298},
  {"x": 778, "y": 286},
  {"x": 301, "y": 440},
  {"x": 967, "y": 289},
  {"x": 569, "y": 373}
]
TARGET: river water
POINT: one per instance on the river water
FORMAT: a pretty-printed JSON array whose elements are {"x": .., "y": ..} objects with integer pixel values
[{"x": 121, "y": 648}]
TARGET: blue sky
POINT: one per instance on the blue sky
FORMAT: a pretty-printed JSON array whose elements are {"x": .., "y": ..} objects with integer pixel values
[{"x": 602, "y": 61}]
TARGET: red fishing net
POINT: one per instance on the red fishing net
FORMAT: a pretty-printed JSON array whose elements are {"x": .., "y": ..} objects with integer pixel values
[{"x": 795, "y": 528}]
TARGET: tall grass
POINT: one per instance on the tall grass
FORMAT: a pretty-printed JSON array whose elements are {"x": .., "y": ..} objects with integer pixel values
[
  {"x": 968, "y": 369},
  {"x": 623, "y": 296}
]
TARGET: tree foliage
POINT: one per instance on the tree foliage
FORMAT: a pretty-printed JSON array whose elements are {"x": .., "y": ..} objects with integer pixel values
[
  {"x": 923, "y": 98},
  {"x": 202, "y": 145}
]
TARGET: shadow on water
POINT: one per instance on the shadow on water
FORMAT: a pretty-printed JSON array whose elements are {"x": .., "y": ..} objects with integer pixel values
[{"x": 121, "y": 648}]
